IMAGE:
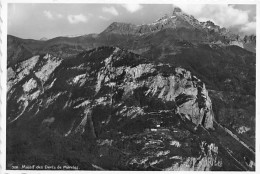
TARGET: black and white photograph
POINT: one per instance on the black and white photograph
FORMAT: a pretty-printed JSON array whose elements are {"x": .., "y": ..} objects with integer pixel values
[{"x": 129, "y": 86}]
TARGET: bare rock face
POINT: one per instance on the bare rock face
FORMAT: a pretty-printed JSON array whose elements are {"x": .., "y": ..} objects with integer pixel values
[
  {"x": 187, "y": 94},
  {"x": 127, "y": 112}
]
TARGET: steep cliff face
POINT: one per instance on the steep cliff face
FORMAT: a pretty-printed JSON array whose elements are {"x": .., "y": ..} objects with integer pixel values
[
  {"x": 127, "y": 112},
  {"x": 38, "y": 76}
]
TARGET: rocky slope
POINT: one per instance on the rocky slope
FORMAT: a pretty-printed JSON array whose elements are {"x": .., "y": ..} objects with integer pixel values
[{"x": 110, "y": 109}]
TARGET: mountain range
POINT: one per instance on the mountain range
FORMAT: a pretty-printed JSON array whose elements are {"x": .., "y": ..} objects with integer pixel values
[
  {"x": 176, "y": 94},
  {"x": 137, "y": 38}
]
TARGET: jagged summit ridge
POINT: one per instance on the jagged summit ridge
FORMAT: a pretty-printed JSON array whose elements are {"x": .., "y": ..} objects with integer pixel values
[{"x": 179, "y": 20}]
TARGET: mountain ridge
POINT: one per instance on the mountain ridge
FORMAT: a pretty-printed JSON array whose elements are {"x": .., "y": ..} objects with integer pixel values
[
  {"x": 207, "y": 32},
  {"x": 177, "y": 94},
  {"x": 178, "y": 19},
  {"x": 129, "y": 113}
]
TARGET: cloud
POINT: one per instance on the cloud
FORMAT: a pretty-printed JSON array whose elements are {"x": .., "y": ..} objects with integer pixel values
[
  {"x": 59, "y": 16},
  {"x": 48, "y": 14},
  {"x": 221, "y": 14},
  {"x": 132, "y": 7},
  {"x": 103, "y": 18},
  {"x": 249, "y": 28},
  {"x": 74, "y": 19},
  {"x": 51, "y": 15},
  {"x": 110, "y": 10}
]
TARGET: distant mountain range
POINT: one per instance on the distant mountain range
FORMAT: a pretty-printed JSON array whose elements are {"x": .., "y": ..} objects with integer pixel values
[
  {"x": 176, "y": 94},
  {"x": 138, "y": 38}
]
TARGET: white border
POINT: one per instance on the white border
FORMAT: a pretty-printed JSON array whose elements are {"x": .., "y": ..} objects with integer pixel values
[
  {"x": 3, "y": 73},
  {"x": 139, "y": 1}
]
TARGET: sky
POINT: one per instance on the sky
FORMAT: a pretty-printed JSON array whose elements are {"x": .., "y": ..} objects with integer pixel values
[{"x": 35, "y": 21}]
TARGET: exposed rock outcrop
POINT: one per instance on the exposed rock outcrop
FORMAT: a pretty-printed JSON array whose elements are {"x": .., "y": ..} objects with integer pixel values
[
  {"x": 136, "y": 114},
  {"x": 162, "y": 82}
]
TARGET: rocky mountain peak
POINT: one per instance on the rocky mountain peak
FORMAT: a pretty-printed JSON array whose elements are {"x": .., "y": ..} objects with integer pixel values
[
  {"x": 177, "y": 10},
  {"x": 165, "y": 16},
  {"x": 211, "y": 26},
  {"x": 44, "y": 39},
  {"x": 120, "y": 28},
  {"x": 208, "y": 24},
  {"x": 180, "y": 20}
]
